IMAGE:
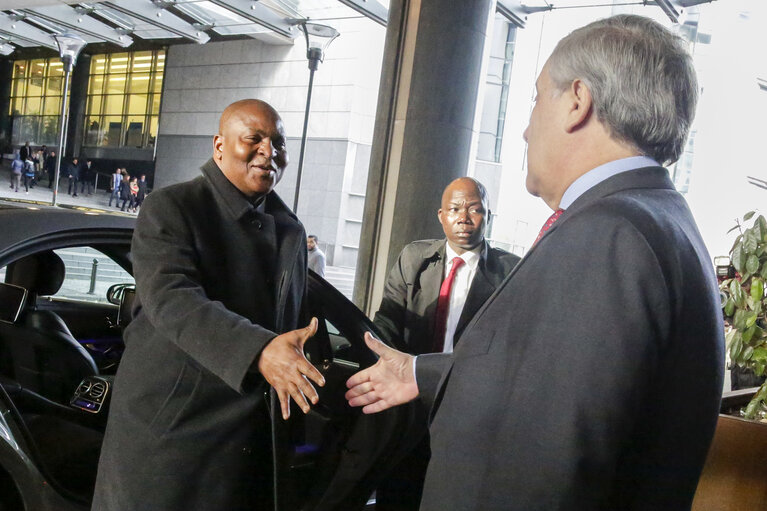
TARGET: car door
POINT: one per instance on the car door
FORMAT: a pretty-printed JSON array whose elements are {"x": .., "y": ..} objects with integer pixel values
[{"x": 334, "y": 456}]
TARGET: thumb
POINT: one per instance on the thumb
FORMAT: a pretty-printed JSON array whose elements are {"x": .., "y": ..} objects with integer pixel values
[
  {"x": 377, "y": 346},
  {"x": 308, "y": 331}
]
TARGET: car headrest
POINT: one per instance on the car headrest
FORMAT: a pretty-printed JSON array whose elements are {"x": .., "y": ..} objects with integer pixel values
[{"x": 41, "y": 273}]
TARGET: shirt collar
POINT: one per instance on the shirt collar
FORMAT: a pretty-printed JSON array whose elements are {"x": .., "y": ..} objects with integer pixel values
[
  {"x": 596, "y": 175},
  {"x": 470, "y": 257},
  {"x": 233, "y": 200}
]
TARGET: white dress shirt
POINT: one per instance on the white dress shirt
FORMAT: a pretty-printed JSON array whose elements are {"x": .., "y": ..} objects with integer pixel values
[{"x": 460, "y": 290}]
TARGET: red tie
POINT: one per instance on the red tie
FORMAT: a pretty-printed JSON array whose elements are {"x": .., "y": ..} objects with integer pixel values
[
  {"x": 443, "y": 306},
  {"x": 553, "y": 218}
]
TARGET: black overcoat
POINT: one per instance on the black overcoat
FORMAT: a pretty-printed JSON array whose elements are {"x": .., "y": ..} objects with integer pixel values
[
  {"x": 591, "y": 379},
  {"x": 217, "y": 278}
]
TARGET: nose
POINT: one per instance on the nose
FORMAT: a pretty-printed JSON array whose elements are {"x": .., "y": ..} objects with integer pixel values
[{"x": 266, "y": 148}]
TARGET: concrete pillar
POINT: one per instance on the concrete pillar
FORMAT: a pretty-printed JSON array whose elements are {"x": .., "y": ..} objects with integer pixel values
[
  {"x": 431, "y": 74},
  {"x": 77, "y": 98}
]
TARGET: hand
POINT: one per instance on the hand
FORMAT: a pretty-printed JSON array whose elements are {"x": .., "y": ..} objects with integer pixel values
[
  {"x": 283, "y": 364},
  {"x": 390, "y": 382}
]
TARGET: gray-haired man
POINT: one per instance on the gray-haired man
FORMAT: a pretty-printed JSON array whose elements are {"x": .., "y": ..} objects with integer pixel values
[{"x": 572, "y": 387}]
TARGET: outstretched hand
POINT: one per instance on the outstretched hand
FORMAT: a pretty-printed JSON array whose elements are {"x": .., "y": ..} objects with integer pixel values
[
  {"x": 283, "y": 364},
  {"x": 390, "y": 382}
]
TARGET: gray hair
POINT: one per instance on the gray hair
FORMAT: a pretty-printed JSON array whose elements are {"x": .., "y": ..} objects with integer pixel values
[{"x": 641, "y": 78}]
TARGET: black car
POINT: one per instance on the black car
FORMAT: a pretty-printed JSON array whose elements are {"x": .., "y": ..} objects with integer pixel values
[{"x": 60, "y": 345}]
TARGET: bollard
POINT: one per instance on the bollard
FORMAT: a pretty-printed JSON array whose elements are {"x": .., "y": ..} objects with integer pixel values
[{"x": 94, "y": 269}]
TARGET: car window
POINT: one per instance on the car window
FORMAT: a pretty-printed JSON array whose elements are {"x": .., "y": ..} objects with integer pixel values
[{"x": 88, "y": 274}]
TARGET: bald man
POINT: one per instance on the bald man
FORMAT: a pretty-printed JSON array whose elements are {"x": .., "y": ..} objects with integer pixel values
[
  {"x": 431, "y": 293},
  {"x": 212, "y": 328}
]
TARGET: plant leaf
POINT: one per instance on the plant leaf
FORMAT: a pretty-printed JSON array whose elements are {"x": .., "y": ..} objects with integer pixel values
[
  {"x": 757, "y": 288},
  {"x": 729, "y": 307},
  {"x": 748, "y": 216},
  {"x": 752, "y": 264},
  {"x": 738, "y": 258}
]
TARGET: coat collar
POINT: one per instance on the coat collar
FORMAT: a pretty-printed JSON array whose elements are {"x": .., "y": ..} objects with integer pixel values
[
  {"x": 232, "y": 200},
  {"x": 647, "y": 177}
]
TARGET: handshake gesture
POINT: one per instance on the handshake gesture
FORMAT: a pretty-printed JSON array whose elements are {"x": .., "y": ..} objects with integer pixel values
[{"x": 390, "y": 382}]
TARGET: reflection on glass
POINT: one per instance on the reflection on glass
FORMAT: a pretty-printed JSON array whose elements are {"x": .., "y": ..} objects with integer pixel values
[
  {"x": 139, "y": 82},
  {"x": 52, "y": 106},
  {"x": 33, "y": 106},
  {"x": 96, "y": 84},
  {"x": 113, "y": 128},
  {"x": 55, "y": 86},
  {"x": 113, "y": 104},
  {"x": 19, "y": 87},
  {"x": 120, "y": 101},
  {"x": 94, "y": 105},
  {"x": 134, "y": 132},
  {"x": 115, "y": 84},
  {"x": 137, "y": 104}
]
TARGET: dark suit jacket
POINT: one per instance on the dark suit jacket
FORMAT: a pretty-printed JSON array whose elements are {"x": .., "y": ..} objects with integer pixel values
[
  {"x": 188, "y": 427},
  {"x": 592, "y": 378},
  {"x": 406, "y": 314}
]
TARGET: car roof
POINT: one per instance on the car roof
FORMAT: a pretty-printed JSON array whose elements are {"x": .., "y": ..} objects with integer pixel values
[{"x": 23, "y": 221}]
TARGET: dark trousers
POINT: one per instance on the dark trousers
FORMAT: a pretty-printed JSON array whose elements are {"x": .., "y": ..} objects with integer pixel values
[
  {"x": 402, "y": 488},
  {"x": 72, "y": 186},
  {"x": 87, "y": 185},
  {"x": 28, "y": 181}
]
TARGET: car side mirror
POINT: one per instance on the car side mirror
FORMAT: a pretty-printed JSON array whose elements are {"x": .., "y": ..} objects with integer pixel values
[{"x": 116, "y": 291}]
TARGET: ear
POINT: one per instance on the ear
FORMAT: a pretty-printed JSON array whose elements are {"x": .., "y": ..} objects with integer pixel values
[
  {"x": 439, "y": 215},
  {"x": 580, "y": 105},
  {"x": 218, "y": 142}
]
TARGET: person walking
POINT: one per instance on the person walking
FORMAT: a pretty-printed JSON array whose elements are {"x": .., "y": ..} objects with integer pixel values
[
  {"x": 17, "y": 167},
  {"x": 73, "y": 172},
  {"x": 133, "y": 194},
  {"x": 142, "y": 185},
  {"x": 114, "y": 187},
  {"x": 29, "y": 175},
  {"x": 125, "y": 191},
  {"x": 50, "y": 167}
]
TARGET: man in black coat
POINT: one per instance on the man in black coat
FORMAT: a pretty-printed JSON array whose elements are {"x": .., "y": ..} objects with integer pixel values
[
  {"x": 220, "y": 267},
  {"x": 410, "y": 307},
  {"x": 73, "y": 173},
  {"x": 591, "y": 379}
]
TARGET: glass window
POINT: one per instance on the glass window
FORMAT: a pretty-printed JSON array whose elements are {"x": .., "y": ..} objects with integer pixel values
[
  {"x": 52, "y": 106},
  {"x": 124, "y": 99},
  {"x": 88, "y": 274},
  {"x": 36, "y": 91}
]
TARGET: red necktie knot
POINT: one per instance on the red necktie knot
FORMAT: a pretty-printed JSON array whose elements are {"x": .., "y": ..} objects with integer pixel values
[
  {"x": 553, "y": 218},
  {"x": 443, "y": 306}
]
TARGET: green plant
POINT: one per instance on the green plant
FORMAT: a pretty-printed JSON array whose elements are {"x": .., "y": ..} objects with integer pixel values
[{"x": 745, "y": 305}]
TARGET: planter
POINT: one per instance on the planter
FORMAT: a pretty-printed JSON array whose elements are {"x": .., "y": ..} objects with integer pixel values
[{"x": 735, "y": 474}]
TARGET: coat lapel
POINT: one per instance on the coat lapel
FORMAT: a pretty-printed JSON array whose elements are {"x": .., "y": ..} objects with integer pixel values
[{"x": 426, "y": 294}]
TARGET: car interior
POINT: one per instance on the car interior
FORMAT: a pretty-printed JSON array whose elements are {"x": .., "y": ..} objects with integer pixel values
[
  {"x": 58, "y": 358},
  {"x": 57, "y": 361}
]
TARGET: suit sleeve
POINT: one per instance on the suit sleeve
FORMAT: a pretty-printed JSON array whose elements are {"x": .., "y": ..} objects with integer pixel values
[
  {"x": 392, "y": 314},
  {"x": 168, "y": 283}
]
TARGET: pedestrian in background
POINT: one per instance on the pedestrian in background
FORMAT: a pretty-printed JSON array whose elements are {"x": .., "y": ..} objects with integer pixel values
[
  {"x": 142, "y": 184},
  {"x": 125, "y": 190},
  {"x": 50, "y": 167},
  {"x": 16, "y": 168},
  {"x": 117, "y": 178},
  {"x": 73, "y": 173}
]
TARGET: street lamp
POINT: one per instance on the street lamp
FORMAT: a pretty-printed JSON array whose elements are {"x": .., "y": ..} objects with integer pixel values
[
  {"x": 70, "y": 46},
  {"x": 318, "y": 38}
]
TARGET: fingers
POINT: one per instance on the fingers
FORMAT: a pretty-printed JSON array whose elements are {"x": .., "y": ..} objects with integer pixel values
[
  {"x": 377, "y": 346},
  {"x": 358, "y": 378},
  {"x": 284, "y": 403},
  {"x": 307, "y": 332}
]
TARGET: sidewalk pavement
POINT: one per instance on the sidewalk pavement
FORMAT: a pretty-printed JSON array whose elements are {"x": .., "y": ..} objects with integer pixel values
[{"x": 98, "y": 200}]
